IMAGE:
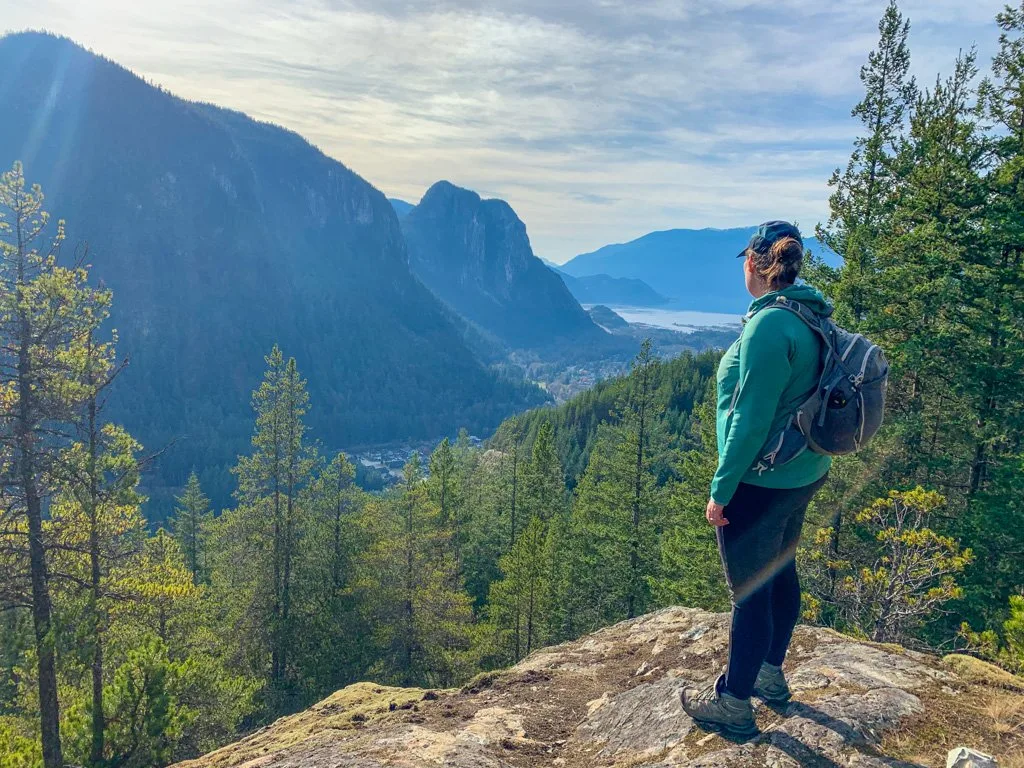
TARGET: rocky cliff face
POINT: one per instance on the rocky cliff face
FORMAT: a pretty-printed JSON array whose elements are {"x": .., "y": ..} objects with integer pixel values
[
  {"x": 476, "y": 256},
  {"x": 221, "y": 236},
  {"x": 611, "y": 700}
]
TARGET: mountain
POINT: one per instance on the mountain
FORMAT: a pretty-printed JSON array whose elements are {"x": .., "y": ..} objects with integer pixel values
[
  {"x": 618, "y": 291},
  {"x": 221, "y": 236},
  {"x": 475, "y": 255},
  {"x": 606, "y": 318},
  {"x": 401, "y": 207},
  {"x": 698, "y": 268},
  {"x": 612, "y": 699}
]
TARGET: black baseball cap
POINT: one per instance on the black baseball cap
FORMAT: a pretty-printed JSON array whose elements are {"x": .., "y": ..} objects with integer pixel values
[{"x": 770, "y": 233}]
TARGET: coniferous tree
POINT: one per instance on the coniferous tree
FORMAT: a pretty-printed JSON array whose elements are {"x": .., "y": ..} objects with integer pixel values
[
  {"x": 618, "y": 516},
  {"x": 261, "y": 536},
  {"x": 98, "y": 527},
  {"x": 691, "y": 569},
  {"x": 543, "y": 483},
  {"x": 864, "y": 193},
  {"x": 410, "y": 589},
  {"x": 190, "y": 523},
  {"x": 444, "y": 490},
  {"x": 517, "y": 601},
  {"x": 48, "y": 314}
]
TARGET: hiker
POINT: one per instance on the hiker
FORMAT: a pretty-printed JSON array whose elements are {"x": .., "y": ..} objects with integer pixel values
[{"x": 757, "y": 504}]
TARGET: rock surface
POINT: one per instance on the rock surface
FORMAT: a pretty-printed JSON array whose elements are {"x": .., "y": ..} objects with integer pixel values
[
  {"x": 475, "y": 255},
  {"x": 610, "y": 700}
]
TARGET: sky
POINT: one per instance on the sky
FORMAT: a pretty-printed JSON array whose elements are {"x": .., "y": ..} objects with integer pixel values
[{"x": 597, "y": 121}]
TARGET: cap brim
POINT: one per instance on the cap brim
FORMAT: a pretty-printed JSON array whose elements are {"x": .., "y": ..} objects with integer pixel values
[{"x": 741, "y": 254}]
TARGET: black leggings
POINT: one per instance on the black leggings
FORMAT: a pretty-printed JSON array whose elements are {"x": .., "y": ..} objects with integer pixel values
[{"x": 758, "y": 549}]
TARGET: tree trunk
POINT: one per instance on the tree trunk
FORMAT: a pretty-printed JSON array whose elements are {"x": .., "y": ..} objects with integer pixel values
[
  {"x": 98, "y": 724},
  {"x": 49, "y": 708}
]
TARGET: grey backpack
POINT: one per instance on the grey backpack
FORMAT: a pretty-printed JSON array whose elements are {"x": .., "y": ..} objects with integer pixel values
[{"x": 845, "y": 410}]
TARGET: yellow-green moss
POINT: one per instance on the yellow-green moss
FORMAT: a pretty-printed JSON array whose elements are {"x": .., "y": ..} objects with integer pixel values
[
  {"x": 982, "y": 673},
  {"x": 343, "y": 710}
]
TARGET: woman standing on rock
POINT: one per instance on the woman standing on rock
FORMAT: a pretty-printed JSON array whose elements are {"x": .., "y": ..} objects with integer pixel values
[{"x": 758, "y": 502}]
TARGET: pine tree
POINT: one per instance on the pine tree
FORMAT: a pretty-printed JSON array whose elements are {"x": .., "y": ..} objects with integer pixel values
[
  {"x": 618, "y": 517},
  {"x": 47, "y": 315},
  {"x": 512, "y": 477},
  {"x": 408, "y": 586},
  {"x": 691, "y": 569},
  {"x": 98, "y": 527},
  {"x": 543, "y": 492},
  {"x": 517, "y": 601},
  {"x": 191, "y": 521},
  {"x": 444, "y": 491},
  {"x": 270, "y": 483},
  {"x": 329, "y": 651},
  {"x": 864, "y": 192}
]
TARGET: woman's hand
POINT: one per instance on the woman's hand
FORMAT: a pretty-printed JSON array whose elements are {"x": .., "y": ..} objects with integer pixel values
[{"x": 715, "y": 514}]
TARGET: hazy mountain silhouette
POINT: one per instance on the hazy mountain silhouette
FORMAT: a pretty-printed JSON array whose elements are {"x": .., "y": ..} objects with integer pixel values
[
  {"x": 698, "y": 268},
  {"x": 476, "y": 256},
  {"x": 221, "y": 236}
]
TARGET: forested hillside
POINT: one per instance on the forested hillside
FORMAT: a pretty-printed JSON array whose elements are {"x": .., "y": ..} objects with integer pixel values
[
  {"x": 678, "y": 384},
  {"x": 220, "y": 237},
  {"x": 121, "y": 645}
]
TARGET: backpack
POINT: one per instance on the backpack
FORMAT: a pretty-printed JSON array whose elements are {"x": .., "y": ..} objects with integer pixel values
[{"x": 845, "y": 410}]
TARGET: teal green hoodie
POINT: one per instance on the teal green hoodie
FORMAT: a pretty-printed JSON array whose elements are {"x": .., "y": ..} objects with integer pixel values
[{"x": 763, "y": 377}]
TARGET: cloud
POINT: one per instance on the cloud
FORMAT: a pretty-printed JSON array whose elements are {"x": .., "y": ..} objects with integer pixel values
[{"x": 598, "y": 121}]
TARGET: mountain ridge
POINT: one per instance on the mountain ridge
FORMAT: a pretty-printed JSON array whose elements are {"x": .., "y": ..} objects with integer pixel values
[
  {"x": 697, "y": 267},
  {"x": 219, "y": 237},
  {"x": 475, "y": 255}
]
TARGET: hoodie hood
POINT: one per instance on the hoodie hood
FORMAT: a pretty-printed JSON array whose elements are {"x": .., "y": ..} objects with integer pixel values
[{"x": 807, "y": 295}]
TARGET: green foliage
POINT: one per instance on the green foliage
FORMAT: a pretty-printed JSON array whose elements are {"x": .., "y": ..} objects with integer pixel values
[
  {"x": 889, "y": 590},
  {"x": 678, "y": 384},
  {"x": 410, "y": 588},
  {"x": 190, "y": 525},
  {"x": 691, "y": 569}
]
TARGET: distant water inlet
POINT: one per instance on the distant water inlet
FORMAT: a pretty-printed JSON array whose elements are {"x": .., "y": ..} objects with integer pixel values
[{"x": 682, "y": 320}]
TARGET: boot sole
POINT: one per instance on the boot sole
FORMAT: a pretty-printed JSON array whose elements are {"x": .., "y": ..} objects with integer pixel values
[
  {"x": 709, "y": 725},
  {"x": 773, "y": 699}
]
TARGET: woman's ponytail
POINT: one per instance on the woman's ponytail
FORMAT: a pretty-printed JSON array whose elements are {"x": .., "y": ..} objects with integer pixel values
[{"x": 781, "y": 265}]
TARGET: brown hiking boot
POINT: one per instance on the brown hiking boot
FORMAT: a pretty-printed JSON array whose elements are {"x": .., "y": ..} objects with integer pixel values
[{"x": 719, "y": 710}]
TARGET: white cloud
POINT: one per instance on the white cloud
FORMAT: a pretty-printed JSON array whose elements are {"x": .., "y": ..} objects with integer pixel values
[{"x": 597, "y": 121}]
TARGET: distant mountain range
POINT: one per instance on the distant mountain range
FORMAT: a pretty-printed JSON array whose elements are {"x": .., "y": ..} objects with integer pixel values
[
  {"x": 221, "y": 236},
  {"x": 475, "y": 255},
  {"x": 698, "y": 268},
  {"x": 605, "y": 289}
]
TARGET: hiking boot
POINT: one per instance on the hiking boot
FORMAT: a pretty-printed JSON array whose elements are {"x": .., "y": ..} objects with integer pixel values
[
  {"x": 771, "y": 685},
  {"x": 719, "y": 711}
]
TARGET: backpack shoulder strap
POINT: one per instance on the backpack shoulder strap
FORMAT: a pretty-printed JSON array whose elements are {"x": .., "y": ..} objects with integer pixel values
[{"x": 812, "y": 319}]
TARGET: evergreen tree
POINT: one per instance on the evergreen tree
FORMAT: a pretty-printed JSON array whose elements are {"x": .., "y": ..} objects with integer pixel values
[
  {"x": 270, "y": 484},
  {"x": 863, "y": 196},
  {"x": 329, "y": 649},
  {"x": 543, "y": 484},
  {"x": 98, "y": 527},
  {"x": 444, "y": 491},
  {"x": 691, "y": 569},
  {"x": 407, "y": 577},
  {"x": 517, "y": 601},
  {"x": 191, "y": 520},
  {"x": 618, "y": 516},
  {"x": 48, "y": 315}
]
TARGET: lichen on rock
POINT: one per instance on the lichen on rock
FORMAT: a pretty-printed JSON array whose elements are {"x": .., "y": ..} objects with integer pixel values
[{"x": 611, "y": 700}]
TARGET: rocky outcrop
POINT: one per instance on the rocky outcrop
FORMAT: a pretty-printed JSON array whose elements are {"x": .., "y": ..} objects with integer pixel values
[
  {"x": 475, "y": 255},
  {"x": 610, "y": 700}
]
